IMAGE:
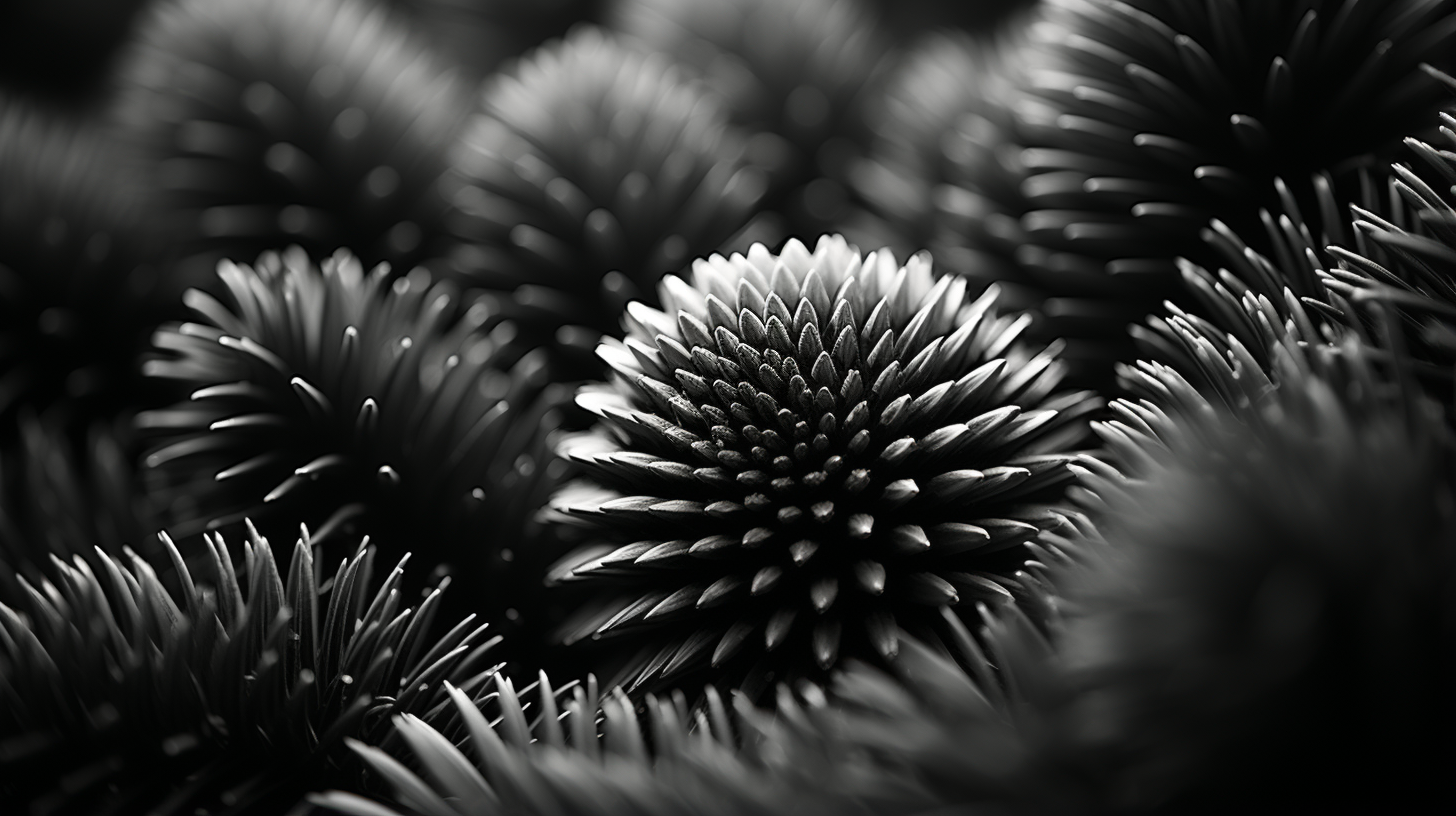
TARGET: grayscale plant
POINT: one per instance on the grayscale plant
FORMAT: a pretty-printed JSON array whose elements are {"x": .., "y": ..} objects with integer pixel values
[
  {"x": 126, "y": 691},
  {"x": 589, "y": 172},
  {"x": 333, "y": 397},
  {"x": 263, "y": 123},
  {"x": 803, "y": 454}
]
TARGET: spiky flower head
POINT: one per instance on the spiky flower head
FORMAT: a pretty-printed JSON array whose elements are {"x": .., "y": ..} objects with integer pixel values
[
  {"x": 262, "y": 123},
  {"x": 1377, "y": 278},
  {"x": 803, "y": 452},
  {"x": 77, "y": 299},
  {"x": 1271, "y": 620},
  {"x": 1146, "y": 119},
  {"x": 590, "y": 171},
  {"x": 333, "y": 397},
  {"x": 128, "y": 692},
  {"x": 800, "y": 70}
]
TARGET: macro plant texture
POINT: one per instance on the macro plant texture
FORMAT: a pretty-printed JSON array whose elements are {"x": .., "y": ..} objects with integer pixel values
[
  {"x": 727, "y": 407},
  {"x": 807, "y": 453}
]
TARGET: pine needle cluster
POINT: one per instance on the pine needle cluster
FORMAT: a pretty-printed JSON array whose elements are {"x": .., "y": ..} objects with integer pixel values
[{"x": 221, "y": 693}]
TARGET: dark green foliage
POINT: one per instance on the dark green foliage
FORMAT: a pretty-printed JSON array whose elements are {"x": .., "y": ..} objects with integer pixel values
[
  {"x": 1147, "y": 119},
  {"x": 119, "y": 695},
  {"x": 262, "y": 123},
  {"x": 77, "y": 296},
  {"x": 791, "y": 475},
  {"x": 591, "y": 171},
  {"x": 335, "y": 398},
  {"x": 797, "y": 71}
]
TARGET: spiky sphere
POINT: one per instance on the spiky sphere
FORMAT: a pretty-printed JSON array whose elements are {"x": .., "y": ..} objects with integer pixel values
[
  {"x": 800, "y": 70},
  {"x": 77, "y": 299},
  {"x": 590, "y": 171},
  {"x": 944, "y": 172},
  {"x": 1146, "y": 119},
  {"x": 1377, "y": 277},
  {"x": 262, "y": 123},
  {"x": 127, "y": 692},
  {"x": 803, "y": 452},
  {"x": 1273, "y": 621},
  {"x": 332, "y": 397}
]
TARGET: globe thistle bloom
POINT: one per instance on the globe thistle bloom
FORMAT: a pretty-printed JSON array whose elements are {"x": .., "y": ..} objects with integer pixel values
[
  {"x": 1144, "y": 120},
  {"x": 1271, "y": 619},
  {"x": 333, "y": 397},
  {"x": 77, "y": 298},
  {"x": 667, "y": 759},
  {"x": 799, "y": 71},
  {"x": 217, "y": 693},
  {"x": 783, "y": 475},
  {"x": 590, "y": 171},
  {"x": 263, "y": 123}
]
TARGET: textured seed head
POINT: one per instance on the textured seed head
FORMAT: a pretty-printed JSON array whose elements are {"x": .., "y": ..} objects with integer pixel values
[
  {"x": 1142, "y": 120},
  {"x": 875, "y": 444},
  {"x": 336, "y": 398},
  {"x": 798, "y": 72},
  {"x": 588, "y": 171},
  {"x": 262, "y": 123}
]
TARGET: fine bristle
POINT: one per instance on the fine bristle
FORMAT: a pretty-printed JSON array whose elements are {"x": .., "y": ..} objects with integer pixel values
[
  {"x": 330, "y": 396},
  {"x": 138, "y": 683}
]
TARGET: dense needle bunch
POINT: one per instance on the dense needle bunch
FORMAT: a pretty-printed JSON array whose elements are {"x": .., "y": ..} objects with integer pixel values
[
  {"x": 63, "y": 493},
  {"x": 584, "y": 755},
  {"x": 333, "y": 397},
  {"x": 804, "y": 452},
  {"x": 590, "y": 171},
  {"x": 227, "y": 691},
  {"x": 1146, "y": 119},
  {"x": 798, "y": 71},
  {"x": 77, "y": 300},
  {"x": 267, "y": 122}
]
